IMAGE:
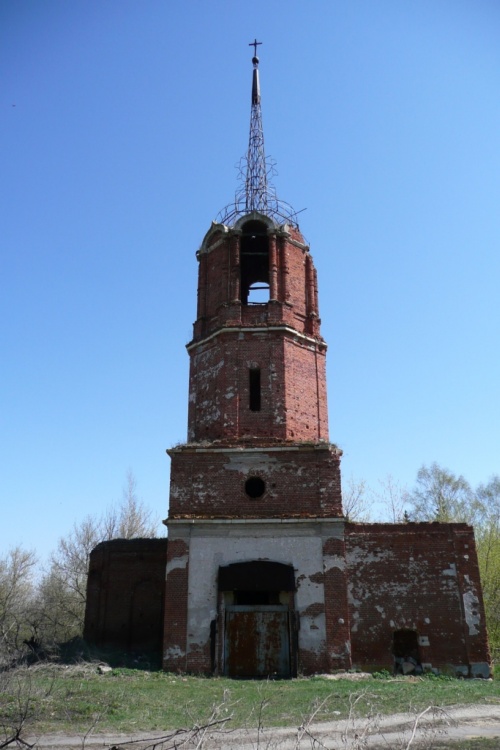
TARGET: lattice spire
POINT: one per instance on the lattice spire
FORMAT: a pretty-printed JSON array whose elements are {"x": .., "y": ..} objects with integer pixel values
[
  {"x": 256, "y": 176},
  {"x": 256, "y": 192}
]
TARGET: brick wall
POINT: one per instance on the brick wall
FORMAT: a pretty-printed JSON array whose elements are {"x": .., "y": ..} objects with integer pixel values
[
  {"x": 280, "y": 337},
  {"x": 293, "y": 387},
  {"x": 300, "y": 481},
  {"x": 176, "y": 598},
  {"x": 336, "y": 604},
  {"x": 421, "y": 577},
  {"x": 125, "y": 594},
  {"x": 291, "y": 267}
]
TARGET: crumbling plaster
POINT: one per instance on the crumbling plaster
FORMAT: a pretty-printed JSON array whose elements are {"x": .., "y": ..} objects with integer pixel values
[{"x": 213, "y": 544}]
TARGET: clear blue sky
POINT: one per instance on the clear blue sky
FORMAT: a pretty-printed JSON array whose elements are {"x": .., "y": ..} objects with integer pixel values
[{"x": 121, "y": 122}]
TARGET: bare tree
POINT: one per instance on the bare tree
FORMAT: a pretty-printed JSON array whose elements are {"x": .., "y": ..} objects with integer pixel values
[
  {"x": 393, "y": 497},
  {"x": 355, "y": 502},
  {"x": 17, "y": 570},
  {"x": 131, "y": 519},
  {"x": 66, "y": 580}
]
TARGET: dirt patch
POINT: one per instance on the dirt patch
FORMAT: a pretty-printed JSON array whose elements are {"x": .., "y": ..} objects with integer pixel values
[{"x": 429, "y": 728}]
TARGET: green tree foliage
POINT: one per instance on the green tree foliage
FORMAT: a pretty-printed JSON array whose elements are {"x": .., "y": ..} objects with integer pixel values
[
  {"x": 488, "y": 548},
  {"x": 439, "y": 495}
]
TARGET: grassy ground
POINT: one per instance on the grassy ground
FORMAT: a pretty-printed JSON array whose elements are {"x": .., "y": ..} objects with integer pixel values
[
  {"x": 125, "y": 700},
  {"x": 473, "y": 744}
]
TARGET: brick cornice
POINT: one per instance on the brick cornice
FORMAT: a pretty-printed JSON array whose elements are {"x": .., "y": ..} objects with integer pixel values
[{"x": 260, "y": 329}]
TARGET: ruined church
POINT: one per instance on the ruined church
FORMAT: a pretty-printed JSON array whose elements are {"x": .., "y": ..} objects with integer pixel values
[{"x": 261, "y": 574}]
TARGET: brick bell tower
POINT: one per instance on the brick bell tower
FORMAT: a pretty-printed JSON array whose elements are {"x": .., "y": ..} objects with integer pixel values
[{"x": 255, "y": 580}]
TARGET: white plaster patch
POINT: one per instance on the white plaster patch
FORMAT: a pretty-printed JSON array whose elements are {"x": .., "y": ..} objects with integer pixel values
[
  {"x": 310, "y": 593},
  {"x": 312, "y": 632},
  {"x": 380, "y": 610},
  {"x": 174, "y": 652},
  {"x": 351, "y": 598},
  {"x": 208, "y": 372},
  {"x": 392, "y": 589},
  {"x": 354, "y": 628},
  {"x": 451, "y": 571},
  {"x": 358, "y": 556},
  {"x": 341, "y": 654},
  {"x": 472, "y": 617},
  {"x": 250, "y": 462},
  {"x": 333, "y": 561},
  {"x": 177, "y": 562}
]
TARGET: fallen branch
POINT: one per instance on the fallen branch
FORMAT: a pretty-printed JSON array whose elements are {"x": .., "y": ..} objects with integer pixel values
[
  {"x": 185, "y": 735},
  {"x": 418, "y": 719}
]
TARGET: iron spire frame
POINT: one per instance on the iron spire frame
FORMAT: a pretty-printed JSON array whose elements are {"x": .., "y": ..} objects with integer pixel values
[{"x": 256, "y": 192}]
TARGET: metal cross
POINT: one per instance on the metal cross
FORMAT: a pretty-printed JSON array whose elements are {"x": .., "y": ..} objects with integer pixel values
[{"x": 254, "y": 44}]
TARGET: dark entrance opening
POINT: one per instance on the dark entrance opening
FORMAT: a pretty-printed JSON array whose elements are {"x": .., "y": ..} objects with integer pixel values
[
  {"x": 406, "y": 652},
  {"x": 261, "y": 598},
  {"x": 259, "y": 638}
]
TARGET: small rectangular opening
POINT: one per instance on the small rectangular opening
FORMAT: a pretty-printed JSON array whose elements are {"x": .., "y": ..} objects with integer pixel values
[{"x": 254, "y": 390}]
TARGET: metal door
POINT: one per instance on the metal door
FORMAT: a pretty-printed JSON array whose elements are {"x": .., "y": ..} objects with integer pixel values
[{"x": 257, "y": 641}]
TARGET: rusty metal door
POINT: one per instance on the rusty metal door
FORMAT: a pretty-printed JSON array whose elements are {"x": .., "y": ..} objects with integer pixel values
[{"x": 257, "y": 641}]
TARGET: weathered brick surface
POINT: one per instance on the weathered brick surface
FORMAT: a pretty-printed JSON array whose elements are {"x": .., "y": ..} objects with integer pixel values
[
  {"x": 176, "y": 597},
  {"x": 125, "y": 594},
  {"x": 281, "y": 338},
  {"x": 293, "y": 387},
  {"x": 422, "y": 577},
  {"x": 300, "y": 481},
  {"x": 336, "y": 606},
  {"x": 296, "y": 299}
]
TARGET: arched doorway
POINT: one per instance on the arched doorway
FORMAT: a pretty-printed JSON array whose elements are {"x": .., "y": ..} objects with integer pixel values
[{"x": 259, "y": 635}]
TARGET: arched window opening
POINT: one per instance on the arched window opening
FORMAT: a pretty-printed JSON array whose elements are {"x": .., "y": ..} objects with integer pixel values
[
  {"x": 254, "y": 254},
  {"x": 258, "y": 294}
]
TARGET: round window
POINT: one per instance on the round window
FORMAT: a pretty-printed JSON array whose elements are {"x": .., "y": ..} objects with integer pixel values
[{"x": 255, "y": 487}]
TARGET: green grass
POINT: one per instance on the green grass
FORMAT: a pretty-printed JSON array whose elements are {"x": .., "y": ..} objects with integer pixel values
[
  {"x": 127, "y": 700},
  {"x": 478, "y": 743}
]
